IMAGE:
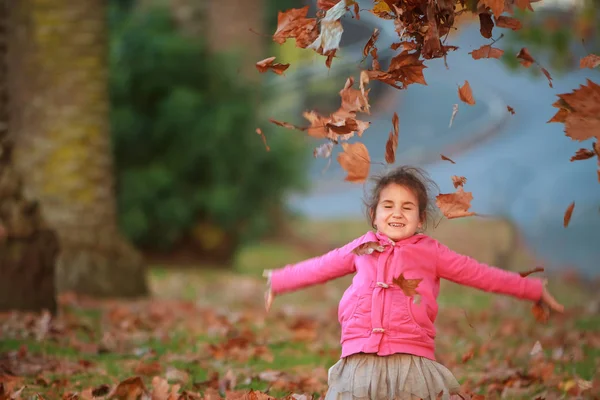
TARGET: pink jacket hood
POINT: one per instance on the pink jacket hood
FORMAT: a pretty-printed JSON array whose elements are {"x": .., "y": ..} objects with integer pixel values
[{"x": 375, "y": 314}]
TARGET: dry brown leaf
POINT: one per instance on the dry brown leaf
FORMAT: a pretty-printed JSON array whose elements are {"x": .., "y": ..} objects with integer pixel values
[
  {"x": 408, "y": 286},
  {"x": 590, "y": 61},
  {"x": 267, "y": 64},
  {"x": 580, "y": 112},
  {"x": 560, "y": 116},
  {"x": 486, "y": 51},
  {"x": 286, "y": 125},
  {"x": 264, "y": 139},
  {"x": 497, "y": 6},
  {"x": 525, "y": 58},
  {"x": 458, "y": 181},
  {"x": 406, "y": 68},
  {"x": 455, "y": 205},
  {"x": 323, "y": 151},
  {"x": 540, "y": 312},
  {"x": 294, "y": 24},
  {"x": 583, "y": 154},
  {"x": 465, "y": 94},
  {"x": 508, "y": 22},
  {"x": 527, "y": 273},
  {"x": 371, "y": 43},
  {"x": 447, "y": 159},
  {"x": 568, "y": 214},
  {"x": 486, "y": 25},
  {"x": 355, "y": 161},
  {"x": 510, "y": 110},
  {"x": 547, "y": 74},
  {"x": 392, "y": 142},
  {"x": 367, "y": 248}
]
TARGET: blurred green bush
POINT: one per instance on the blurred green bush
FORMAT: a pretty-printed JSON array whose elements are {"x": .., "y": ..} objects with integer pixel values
[{"x": 188, "y": 161}]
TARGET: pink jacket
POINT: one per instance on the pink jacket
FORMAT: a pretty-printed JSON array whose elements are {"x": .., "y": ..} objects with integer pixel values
[{"x": 376, "y": 316}]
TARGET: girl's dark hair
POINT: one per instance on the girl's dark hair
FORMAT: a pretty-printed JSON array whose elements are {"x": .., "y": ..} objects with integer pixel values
[{"x": 413, "y": 178}]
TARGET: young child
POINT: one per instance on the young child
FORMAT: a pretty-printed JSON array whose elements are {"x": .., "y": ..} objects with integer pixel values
[{"x": 388, "y": 337}]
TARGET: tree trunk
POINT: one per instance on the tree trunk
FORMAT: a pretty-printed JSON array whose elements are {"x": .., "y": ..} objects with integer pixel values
[
  {"x": 28, "y": 249},
  {"x": 60, "y": 118}
]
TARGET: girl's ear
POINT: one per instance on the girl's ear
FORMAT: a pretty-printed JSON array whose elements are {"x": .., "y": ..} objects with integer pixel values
[{"x": 372, "y": 215}]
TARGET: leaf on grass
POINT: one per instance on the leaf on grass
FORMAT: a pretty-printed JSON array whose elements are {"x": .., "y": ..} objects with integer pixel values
[
  {"x": 540, "y": 312},
  {"x": 293, "y": 24},
  {"x": 524, "y": 4},
  {"x": 590, "y": 61},
  {"x": 508, "y": 22},
  {"x": 455, "y": 205},
  {"x": 355, "y": 161},
  {"x": 392, "y": 142},
  {"x": 532, "y": 271},
  {"x": 525, "y": 58},
  {"x": 447, "y": 159},
  {"x": 264, "y": 139},
  {"x": 536, "y": 349},
  {"x": 458, "y": 181},
  {"x": 267, "y": 64},
  {"x": 408, "y": 286},
  {"x": 568, "y": 213},
  {"x": 510, "y": 110},
  {"x": 367, "y": 248},
  {"x": 486, "y": 51},
  {"x": 583, "y": 154},
  {"x": 406, "y": 68},
  {"x": 465, "y": 94}
]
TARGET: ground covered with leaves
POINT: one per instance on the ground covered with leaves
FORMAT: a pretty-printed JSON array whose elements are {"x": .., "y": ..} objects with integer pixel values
[{"x": 204, "y": 334}]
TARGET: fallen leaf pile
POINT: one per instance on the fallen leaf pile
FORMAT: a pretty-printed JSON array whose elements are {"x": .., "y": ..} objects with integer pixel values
[{"x": 422, "y": 27}]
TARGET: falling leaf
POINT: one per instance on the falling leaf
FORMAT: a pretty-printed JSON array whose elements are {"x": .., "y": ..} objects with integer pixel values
[
  {"x": 508, "y": 22},
  {"x": 381, "y": 7},
  {"x": 568, "y": 213},
  {"x": 525, "y": 58},
  {"x": 468, "y": 355},
  {"x": 465, "y": 94},
  {"x": 454, "y": 112},
  {"x": 294, "y": 24},
  {"x": 405, "y": 68},
  {"x": 458, "y": 181},
  {"x": 486, "y": 25},
  {"x": 590, "y": 61},
  {"x": 264, "y": 139},
  {"x": 323, "y": 151},
  {"x": 580, "y": 112},
  {"x": 267, "y": 64},
  {"x": 527, "y": 273},
  {"x": 101, "y": 390},
  {"x": 367, "y": 248},
  {"x": 268, "y": 300},
  {"x": 486, "y": 51},
  {"x": 540, "y": 312},
  {"x": 371, "y": 42},
  {"x": 510, "y": 110},
  {"x": 392, "y": 142},
  {"x": 455, "y": 205},
  {"x": 331, "y": 29},
  {"x": 497, "y": 6},
  {"x": 547, "y": 74},
  {"x": 583, "y": 154},
  {"x": 286, "y": 125},
  {"x": 408, "y": 286},
  {"x": 446, "y": 159},
  {"x": 356, "y": 161}
]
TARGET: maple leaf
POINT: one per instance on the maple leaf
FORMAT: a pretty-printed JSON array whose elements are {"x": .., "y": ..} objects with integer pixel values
[
  {"x": 497, "y": 6},
  {"x": 455, "y": 205},
  {"x": 583, "y": 154},
  {"x": 406, "y": 68},
  {"x": 508, "y": 22},
  {"x": 510, "y": 110},
  {"x": 580, "y": 112},
  {"x": 264, "y": 139},
  {"x": 486, "y": 51},
  {"x": 465, "y": 94},
  {"x": 590, "y": 61},
  {"x": 408, "y": 286},
  {"x": 446, "y": 159},
  {"x": 392, "y": 142},
  {"x": 294, "y": 24},
  {"x": 486, "y": 25},
  {"x": 568, "y": 214},
  {"x": 458, "y": 181},
  {"x": 527, "y": 273},
  {"x": 355, "y": 161},
  {"x": 525, "y": 58},
  {"x": 367, "y": 248},
  {"x": 454, "y": 112},
  {"x": 326, "y": 4},
  {"x": 267, "y": 64}
]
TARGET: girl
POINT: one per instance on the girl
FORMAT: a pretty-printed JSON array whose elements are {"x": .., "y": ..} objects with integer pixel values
[{"x": 388, "y": 336}]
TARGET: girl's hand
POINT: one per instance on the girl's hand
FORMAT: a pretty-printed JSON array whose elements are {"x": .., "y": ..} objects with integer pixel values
[
  {"x": 269, "y": 292},
  {"x": 551, "y": 302}
]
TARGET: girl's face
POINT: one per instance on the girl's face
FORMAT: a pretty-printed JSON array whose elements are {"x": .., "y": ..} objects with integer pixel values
[{"x": 397, "y": 212}]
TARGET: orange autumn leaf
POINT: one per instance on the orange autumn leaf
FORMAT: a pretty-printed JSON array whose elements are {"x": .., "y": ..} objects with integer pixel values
[
  {"x": 590, "y": 61},
  {"x": 580, "y": 112},
  {"x": 497, "y": 6},
  {"x": 371, "y": 43},
  {"x": 525, "y": 58},
  {"x": 540, "y": 312},
  {"x": 408, "y": 286},
  {"x": 286, "y": 125},
  {"x": 458, "y": 181},
  {"x": 367, "y": 248},
  {"x": 547, "y": 74},
  {"x": 583, "y": 154},
  {"x": 532, "y": 271},
  {"x": 508, "y": 22},
  {"x": 568, "y": 214},
  {"x": 267, "y": 64},
  {"x": 465, "y": 94},
  {"x": 486, "y": 25},
  {"x": 510, "y": 110},
  {"x": 486, "y": 51},
  {"x": 392, "y": 142},
  {"x": 355, "y": 161},
  {"x": 447, "y": 159},
  {"x": 455, "y": 205}
]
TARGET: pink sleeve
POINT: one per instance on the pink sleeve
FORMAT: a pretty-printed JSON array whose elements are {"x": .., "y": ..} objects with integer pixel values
[
  {"x": 335, "y": 264},
  {"x": 467, "y": 271}
]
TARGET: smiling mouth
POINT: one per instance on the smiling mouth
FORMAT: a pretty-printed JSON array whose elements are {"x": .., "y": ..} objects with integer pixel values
[{"x": 396, "y": 225}]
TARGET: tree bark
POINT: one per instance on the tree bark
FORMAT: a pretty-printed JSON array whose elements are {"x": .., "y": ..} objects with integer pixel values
[
  {"x": 60, "y": 118},
  {"x": 28, "y": 248}
]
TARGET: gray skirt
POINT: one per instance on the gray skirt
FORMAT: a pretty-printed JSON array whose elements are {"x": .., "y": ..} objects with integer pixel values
[{"x": 398, "y": 377}]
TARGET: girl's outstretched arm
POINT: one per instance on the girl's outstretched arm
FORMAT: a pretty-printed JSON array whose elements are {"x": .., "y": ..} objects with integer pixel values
[
  {"x": 334, "y": 264},
  {"x": 467, "y": 271}
]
